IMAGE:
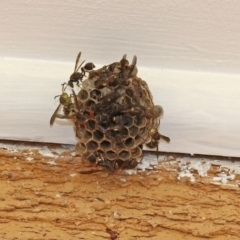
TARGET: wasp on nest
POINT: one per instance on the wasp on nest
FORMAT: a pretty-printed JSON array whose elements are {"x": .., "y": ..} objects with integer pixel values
[{"x": 113, "y": 113}]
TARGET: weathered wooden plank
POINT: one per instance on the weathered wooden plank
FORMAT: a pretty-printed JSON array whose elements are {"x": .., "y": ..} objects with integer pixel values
[{"x": 46, "y": 196}]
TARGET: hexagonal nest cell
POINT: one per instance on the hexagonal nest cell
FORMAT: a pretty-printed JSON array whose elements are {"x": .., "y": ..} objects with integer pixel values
[{"x": 114, "y": 115}]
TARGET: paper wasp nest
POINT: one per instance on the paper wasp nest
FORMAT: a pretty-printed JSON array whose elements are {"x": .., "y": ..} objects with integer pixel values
[{"x": 115, "y": 116}]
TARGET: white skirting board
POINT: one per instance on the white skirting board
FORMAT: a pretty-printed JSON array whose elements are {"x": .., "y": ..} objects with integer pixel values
[{"x": 201, "y": 110}]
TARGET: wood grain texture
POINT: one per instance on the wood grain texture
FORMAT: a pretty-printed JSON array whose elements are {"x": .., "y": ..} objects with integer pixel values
[
  {"x": 201, "y": 109},
  {"x": 46, "y": 197}
]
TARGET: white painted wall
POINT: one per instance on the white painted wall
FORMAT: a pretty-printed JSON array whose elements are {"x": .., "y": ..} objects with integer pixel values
[
  {"x": 201, "y": 109},
  {"x": 177, "y": 42},
  {"x": 193, "y": 35}
]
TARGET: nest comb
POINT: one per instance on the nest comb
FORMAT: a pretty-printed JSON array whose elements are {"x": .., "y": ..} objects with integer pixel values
[{"x": 114, "y": 116}]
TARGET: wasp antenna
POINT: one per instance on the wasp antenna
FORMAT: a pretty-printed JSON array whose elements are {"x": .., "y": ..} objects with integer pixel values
[
  {"x": 63, "y": 89},
  {"x": 57, "y": 96},
  {"x": 77, "y": 60}
]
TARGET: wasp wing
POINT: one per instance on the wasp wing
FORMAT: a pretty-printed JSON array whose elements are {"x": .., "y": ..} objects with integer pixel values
[
  {"x": 77, "y": 60},
  {"x": 165, "y": 138},
  {"x": 54, "y": 115}
]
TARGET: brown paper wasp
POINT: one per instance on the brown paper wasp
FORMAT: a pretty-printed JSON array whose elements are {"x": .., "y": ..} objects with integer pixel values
[
  {"x": 78, "y": 76},
  {"x": 65, "y": 101},
  {"x": 155, "y": 138}
]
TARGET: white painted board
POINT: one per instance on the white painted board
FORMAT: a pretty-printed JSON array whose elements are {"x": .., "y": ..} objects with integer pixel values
[
  {"x": 201, "y": 109},
  {"x": 187, "y": 35}
]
